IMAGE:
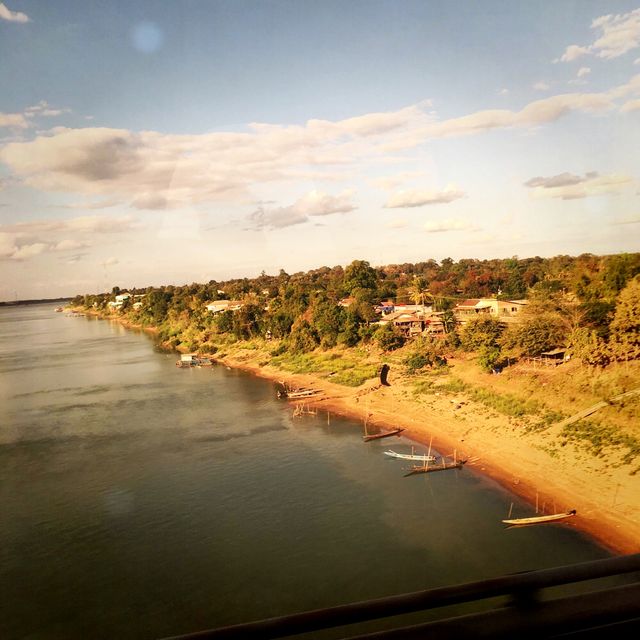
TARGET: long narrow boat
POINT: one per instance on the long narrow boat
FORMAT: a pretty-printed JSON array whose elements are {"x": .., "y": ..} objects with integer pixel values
[
  {"x": 426, "y": 468},
  {"x": 301, "y": 392},
  {"x": 553, "y": 517},
  {"x": 384, "y": 434},
  {"x": 410, "y": 456}
]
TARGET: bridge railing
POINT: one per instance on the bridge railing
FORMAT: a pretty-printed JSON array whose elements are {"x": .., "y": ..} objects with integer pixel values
[{"x": 527, "y": 615}]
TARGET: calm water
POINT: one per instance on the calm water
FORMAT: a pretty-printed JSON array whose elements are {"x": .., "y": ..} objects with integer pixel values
[{"x": 139, "y": 500}]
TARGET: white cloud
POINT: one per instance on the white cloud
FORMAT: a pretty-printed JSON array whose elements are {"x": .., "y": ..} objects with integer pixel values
[
  {"x": 415, "y": 198},
  {"x": 12, "y": 16},
  {"x": 111, "y": 261},
  {"x": 312, "y": 204},
  {"x": 24, "y": 240},
  {"x": 503, "y": 92},
  {"x": 157, "y": 171},
  {"x": 568, "y": 186},
  {"x": 628, "y": 89},
  {"x": 583, "y": 71},
  {"x": 631, "y": 105},
  {"x": 44, "y": 109},
  {"x": 541, "y": 86},
  {"x": 450, "y": 224},
  {"x": 27, "y": 251},
  {"x": 618, "y": 35},
  {"x": 69, "y": 244},
  {"x": 534, "y": 114},
  {"x": 12, "y": 248},
  {"x": 573, "y": 52},
  {"x": 13, "y": 121}
]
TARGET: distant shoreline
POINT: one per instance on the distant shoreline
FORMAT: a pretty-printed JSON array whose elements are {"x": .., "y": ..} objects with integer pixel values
[{"x": 18, "y": 303}]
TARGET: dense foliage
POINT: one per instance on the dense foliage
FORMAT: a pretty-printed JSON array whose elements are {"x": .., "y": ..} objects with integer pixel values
[{"x": 589, "y": 304}]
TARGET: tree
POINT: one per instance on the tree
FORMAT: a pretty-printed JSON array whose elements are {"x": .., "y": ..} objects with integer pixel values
[
  {"x": 389, "y": 337},
  {"x": 419, "y": 291},
  {"x": 350, "y": 334},
  {"x": 625, "y": 326},
  {"x": 328, "y": 321},
  {"x": 589, "y": 347},
  {"x": 536, "y": 334},
  {"x": 482, "y": 331},
  {"x": 360, "y": 275},
  {"x": 303, "y": 337}
]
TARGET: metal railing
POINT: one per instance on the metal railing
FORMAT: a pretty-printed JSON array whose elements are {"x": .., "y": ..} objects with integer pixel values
[{"x": 527, "y": 615}]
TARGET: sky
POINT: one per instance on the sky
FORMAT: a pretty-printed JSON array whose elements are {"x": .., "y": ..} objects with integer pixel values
[{"x": 153, "y": 142}]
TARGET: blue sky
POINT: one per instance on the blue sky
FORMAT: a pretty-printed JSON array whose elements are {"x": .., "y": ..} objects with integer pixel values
[{"x": 169, "y": 142}]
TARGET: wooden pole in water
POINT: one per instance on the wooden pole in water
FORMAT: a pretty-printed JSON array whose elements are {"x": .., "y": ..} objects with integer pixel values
[
  {"x": 615, "y": 495},
  {"x": 510, "y": 510},
  {"x": 536, "y": 501}
]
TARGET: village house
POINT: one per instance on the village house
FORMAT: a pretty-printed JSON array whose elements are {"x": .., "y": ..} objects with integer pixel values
[
  {"x": 415, "y": 323},
  {"x": 503, "y": 310},
  {"x": 385, "y": 307},
  {"x": 224, "y": 305},
  {"x": 418, "y": 308},
  {"x": 119, "y": 301}
]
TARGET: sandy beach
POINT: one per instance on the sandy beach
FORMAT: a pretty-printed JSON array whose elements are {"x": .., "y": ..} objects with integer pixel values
[{"x": 607, "y": 500}]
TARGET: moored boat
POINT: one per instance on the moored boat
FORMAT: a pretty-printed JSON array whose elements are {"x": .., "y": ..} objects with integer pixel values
[
  {"x": 552, "y": 517},
  {"x": 410, "y": 456}
]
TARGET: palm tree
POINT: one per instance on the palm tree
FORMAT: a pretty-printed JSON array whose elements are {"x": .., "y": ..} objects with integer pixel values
[{"x": 419, "y": 292}]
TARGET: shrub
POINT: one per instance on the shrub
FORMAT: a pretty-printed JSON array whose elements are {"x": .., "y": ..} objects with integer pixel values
[
  {"x": 389, "y": 337},
  {"x": 483, "y": 331},
  {"x": 303, "y": 337}
]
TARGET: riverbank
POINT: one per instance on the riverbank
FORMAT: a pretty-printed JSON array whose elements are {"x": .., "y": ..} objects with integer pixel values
[
  {"x": 606, "y": 497},
  {"x": 538, "y": 464}
]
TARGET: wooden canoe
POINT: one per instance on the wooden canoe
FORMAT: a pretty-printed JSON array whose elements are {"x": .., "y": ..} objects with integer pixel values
[{"x": 553, "y": 517}]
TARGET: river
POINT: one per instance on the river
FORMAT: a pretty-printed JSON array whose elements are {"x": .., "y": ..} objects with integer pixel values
[{"x": 140, "y": 500}]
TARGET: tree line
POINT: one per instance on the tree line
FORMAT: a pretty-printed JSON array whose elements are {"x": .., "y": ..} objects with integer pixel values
[{"x": 588, "y": 303}]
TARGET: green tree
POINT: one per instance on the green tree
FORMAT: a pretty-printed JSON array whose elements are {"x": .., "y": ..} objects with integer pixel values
[
  {"x": 482, "y": 331},
  {"x": 625, "y": 326},
  {"x": 489, "y": 358},
  {"x": 425, "y": 352},
  {"x": 303, "y": 337},
  {"x": 536, "y": 334},
  {"x": 328, "y": 321},
  {"x": 419, "y": 291},
  {"x": 360, "y": 275},
  {"x": 247, "y": 322},
  {"x": 589, "y": 347},
  {"x": 350, "y": 334},
  {"x": 388, "y": 337}
]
